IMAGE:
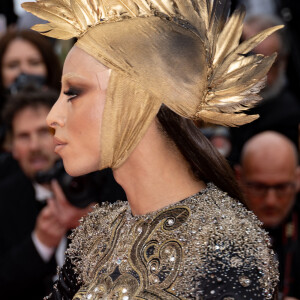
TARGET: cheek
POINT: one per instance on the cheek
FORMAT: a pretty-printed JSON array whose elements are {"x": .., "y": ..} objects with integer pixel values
[
  {"x": 41, "y": 70},
  {"x": 8, "y": 76},
  {"x": 254, "y": 202},
  {"x": 19, "y": 151}
]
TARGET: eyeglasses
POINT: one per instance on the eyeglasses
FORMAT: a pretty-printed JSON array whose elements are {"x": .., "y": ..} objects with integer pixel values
[{"x": 260, "y": 190}]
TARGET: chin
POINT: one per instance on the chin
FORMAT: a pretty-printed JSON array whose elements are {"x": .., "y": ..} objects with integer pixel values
[{"x": 76, "y": 169}]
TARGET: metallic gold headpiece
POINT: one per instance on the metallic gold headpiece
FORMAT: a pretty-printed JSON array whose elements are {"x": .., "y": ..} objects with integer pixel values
[{"x": 182, "y": 53}]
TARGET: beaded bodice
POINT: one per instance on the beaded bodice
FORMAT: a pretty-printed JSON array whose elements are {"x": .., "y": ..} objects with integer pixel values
[{"x": 203, "y": 247}]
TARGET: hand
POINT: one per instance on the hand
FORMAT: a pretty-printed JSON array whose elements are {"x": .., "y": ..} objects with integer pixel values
[
  {"x": 48, "y": 229},
  {"x": 68, "y": 214}
]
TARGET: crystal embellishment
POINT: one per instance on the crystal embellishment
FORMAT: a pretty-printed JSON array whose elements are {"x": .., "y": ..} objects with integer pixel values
[{"x": 244, "y": 281}]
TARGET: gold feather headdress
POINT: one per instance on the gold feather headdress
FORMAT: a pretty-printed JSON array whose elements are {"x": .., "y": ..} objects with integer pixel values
[{"x": 182, "y": 53}]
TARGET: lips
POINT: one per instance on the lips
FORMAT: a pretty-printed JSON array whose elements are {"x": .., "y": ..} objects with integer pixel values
[
  {"x": 59, "y": 144},
  {"x": 38, "y": 162}
]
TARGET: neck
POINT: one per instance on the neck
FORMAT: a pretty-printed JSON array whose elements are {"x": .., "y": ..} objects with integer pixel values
[{"x": 156, "y": 175}]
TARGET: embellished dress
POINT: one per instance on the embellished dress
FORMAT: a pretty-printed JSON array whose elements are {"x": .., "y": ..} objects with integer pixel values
[{"x": 207, "y": 246}]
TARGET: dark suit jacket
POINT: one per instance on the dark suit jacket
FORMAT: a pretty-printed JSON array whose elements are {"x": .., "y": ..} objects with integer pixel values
[{"x": 23, "y": 273}]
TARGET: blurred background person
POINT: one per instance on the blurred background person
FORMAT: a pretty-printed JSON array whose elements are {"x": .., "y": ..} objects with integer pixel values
[
  {"x": 269, "y": 176},
  {"x": 26, "y": 57},
  {"x": 27, "y": 52},
  {"x": 35, "y": 217},
  {"x": 289, "y": 12},
  {"x": 219, "y": 136},
  {"x": 280, "y": 108}
]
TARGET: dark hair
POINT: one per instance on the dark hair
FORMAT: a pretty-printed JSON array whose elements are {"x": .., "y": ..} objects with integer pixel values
[
  {"x": 206, "y": 162},
  {"x": 45, "y": 48},
  {"x": 29, "y": 97}
]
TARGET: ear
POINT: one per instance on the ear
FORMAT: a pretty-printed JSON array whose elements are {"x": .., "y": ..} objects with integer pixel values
[
  {"x": 298, "y": 179},
  {"x": 238, "y": 172}
]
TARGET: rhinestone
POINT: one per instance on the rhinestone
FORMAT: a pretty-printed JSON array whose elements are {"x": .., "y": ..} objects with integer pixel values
[
  {"x": 212, "y": 292},
  {"x": 140, "y": 230},
  {"x": 172, "y": 258},
  {"x": 125, "y": 298},
  {"x": 89, "y": 296},
  {"x": 170, "y": 222},
  {"x": 244, "y": 281},
  {"x": 96, "y": 290},
  {"x": 124, "y": 291},
  {"x": 219, "y": 279},
  {"x": 119, "y": 260}
]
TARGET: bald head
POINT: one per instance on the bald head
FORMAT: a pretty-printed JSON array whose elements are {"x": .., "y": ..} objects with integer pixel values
[
  {"x": 269, "y": 176},
  {"x": 270, "y": 148}
]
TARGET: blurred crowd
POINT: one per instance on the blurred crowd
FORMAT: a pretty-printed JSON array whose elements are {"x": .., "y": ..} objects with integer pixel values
[{"x": 40, "y": 203}]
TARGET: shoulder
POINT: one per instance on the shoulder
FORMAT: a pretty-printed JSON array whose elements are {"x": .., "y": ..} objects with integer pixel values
[
  {"x": 97, "y": 225},
  {"x": 234, "y": 246}
]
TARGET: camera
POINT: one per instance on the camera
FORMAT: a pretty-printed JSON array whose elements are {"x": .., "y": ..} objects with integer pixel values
[
  {"x": 79, "y": 191},
  {"x": 25, "y": 81}
]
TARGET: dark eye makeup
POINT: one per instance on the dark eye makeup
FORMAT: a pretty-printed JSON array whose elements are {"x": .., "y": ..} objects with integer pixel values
[{"x": 72, "y": 93}]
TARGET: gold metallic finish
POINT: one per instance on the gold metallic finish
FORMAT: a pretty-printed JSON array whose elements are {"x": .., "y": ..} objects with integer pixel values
[{"x": 181, "y": 53}]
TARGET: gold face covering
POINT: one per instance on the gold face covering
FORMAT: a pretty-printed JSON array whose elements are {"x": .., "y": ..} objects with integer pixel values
[{"x": 181, "y": 53}]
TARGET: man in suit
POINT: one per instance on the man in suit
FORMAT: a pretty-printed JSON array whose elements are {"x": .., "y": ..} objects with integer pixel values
[
  {"x": 270, "y": 179},
  {"x": 34, "y": 219}
]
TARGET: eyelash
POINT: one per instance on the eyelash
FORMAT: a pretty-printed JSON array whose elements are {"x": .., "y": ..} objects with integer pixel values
[{"x": 72, "y": 93}]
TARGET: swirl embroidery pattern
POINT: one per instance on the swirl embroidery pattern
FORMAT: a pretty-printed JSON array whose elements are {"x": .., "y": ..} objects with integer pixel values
[{"x": 174, "y": 253}]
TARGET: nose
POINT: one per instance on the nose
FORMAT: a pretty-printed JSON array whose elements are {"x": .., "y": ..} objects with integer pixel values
[
  {"x": 55, "y": 117},
  {"x": 271, "y": 197},
  {"x": 34, "y": 143},
  {"x": 25, "y": 68}
]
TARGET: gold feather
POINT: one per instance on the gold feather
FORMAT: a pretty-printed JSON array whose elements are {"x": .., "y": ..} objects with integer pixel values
[
  {"x": 188, "y": 12},
  {"x": 218, "y": 13},
  {"x": 233, "y": 78},
  {"x": 165, "y": 7},
  {"x": 130, "y": 7},
  {"x": 78, "y": 13},
  {"x": 144, "y": 6},
  {"x": 225, "y": 119},
  {"x": 243, "y": 48},
  {"x": 249, "y": 77},
  {"x": 54, "y": 32},
  {"x": 52, "y": 14},
  {"x": 88, "y": 11},
  {"x": 49, "y": 26},
  {"x": 229, "y": 38},
  {"x": 238, "y": 68}
]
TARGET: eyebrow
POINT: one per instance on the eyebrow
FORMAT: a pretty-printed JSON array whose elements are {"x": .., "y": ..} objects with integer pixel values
[{"x": 68, "y": 76}]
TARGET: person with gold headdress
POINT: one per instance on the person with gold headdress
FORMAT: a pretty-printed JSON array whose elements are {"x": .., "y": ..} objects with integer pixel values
[{"x": 141, "y": 74}]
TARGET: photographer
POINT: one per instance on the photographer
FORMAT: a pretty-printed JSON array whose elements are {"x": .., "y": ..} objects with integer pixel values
[{"x": 34, "y": 218}]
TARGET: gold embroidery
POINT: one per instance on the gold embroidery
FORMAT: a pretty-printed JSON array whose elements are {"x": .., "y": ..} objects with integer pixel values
[{"x": 164, "y": 255}]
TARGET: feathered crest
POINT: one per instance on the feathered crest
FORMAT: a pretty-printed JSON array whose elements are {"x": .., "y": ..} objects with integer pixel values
[{"x": 234, "y": 79}]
